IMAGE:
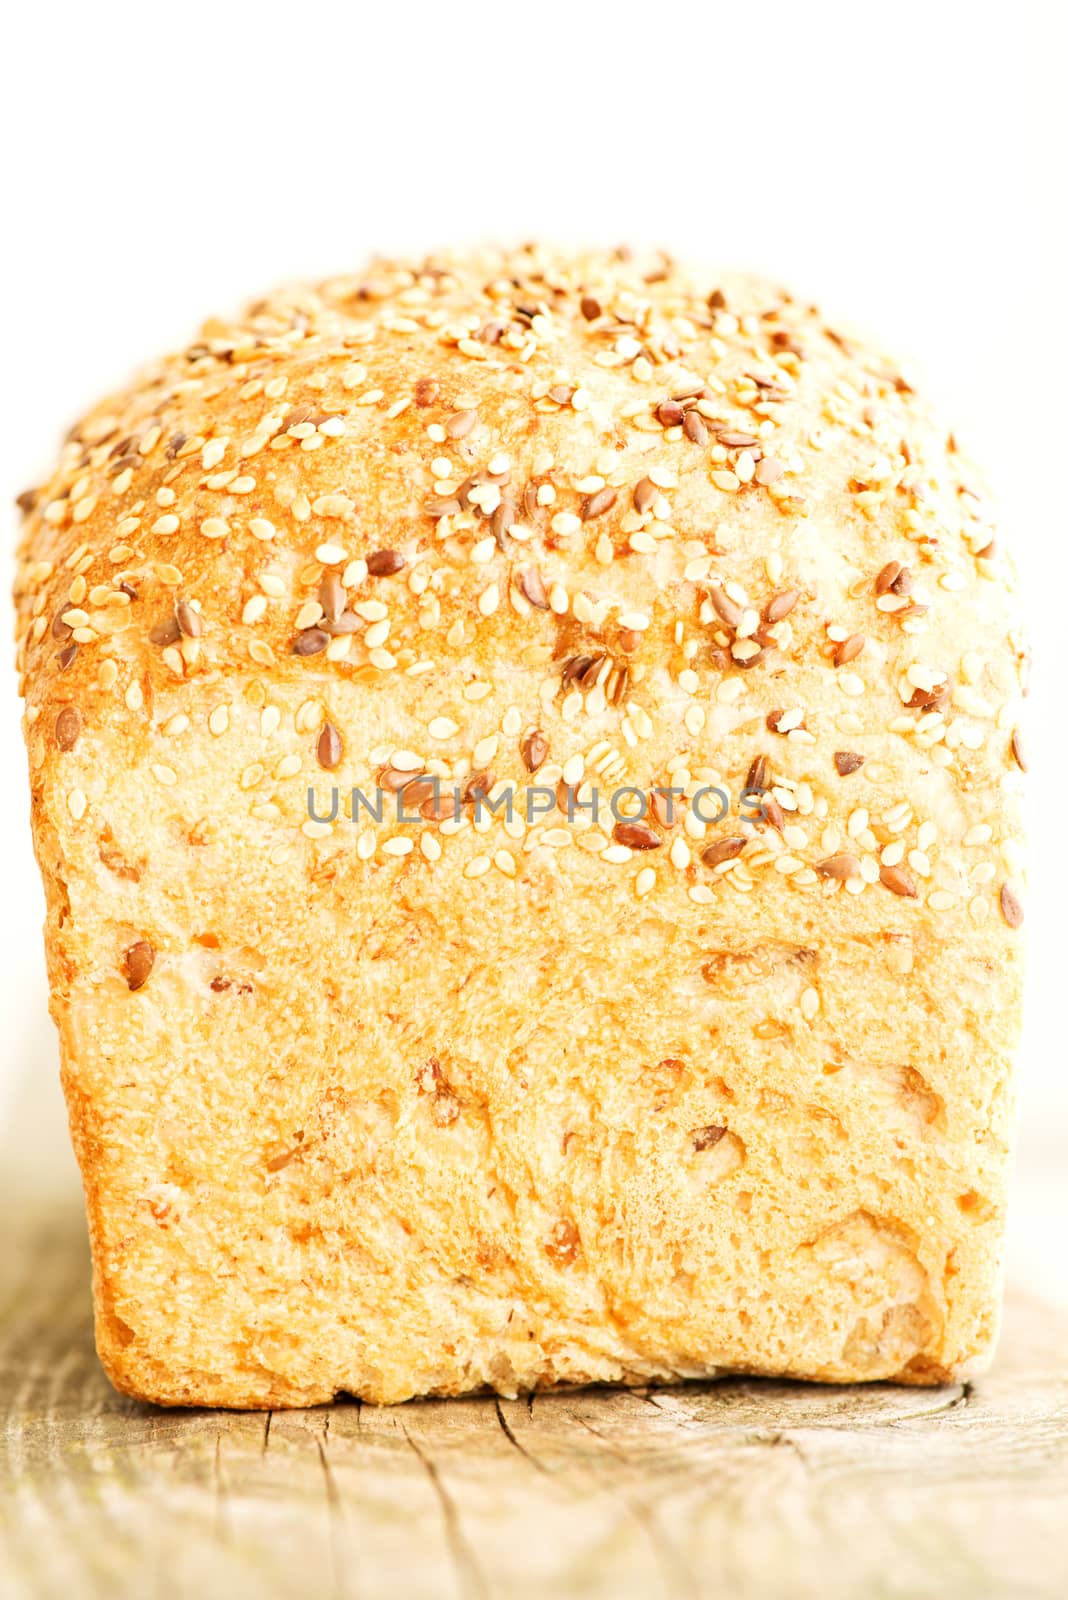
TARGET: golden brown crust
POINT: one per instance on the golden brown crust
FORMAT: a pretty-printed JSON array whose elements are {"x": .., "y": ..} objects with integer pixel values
[{"x": 405, "y": 1109}]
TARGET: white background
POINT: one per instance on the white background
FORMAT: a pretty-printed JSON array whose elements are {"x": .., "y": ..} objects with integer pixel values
[{"x": 902, "y": 164}]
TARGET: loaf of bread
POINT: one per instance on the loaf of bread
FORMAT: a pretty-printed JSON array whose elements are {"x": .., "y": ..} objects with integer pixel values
[{"x": 465, "y": 1092}]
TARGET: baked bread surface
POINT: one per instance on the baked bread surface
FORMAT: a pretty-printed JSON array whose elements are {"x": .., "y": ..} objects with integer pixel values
[{"x": 410, "y": 1108}]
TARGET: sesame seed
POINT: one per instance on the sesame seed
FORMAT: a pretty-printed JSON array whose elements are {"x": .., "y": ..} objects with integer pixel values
[
  {"x": 331, "y": 555},
  {"x": 77, "y": 802},
  {"x": 810, "y": 1004},
  {"x": 645, "y": 882},
  {"x": 565, "y": 523},
  {"x": 397, "y": 847}
]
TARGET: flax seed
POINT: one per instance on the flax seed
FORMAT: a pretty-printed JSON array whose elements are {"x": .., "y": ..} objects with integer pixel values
[
  {"x": 328, "y": 748},
  {"x": 1011, "y": 909},
  {"x": 137, "y": 963},
  {"x": 635, "y": 837},
  {"x": 68, "y": 727},
  {"x": 723, "y": 850},
  {"x": 898, "y": 881}
]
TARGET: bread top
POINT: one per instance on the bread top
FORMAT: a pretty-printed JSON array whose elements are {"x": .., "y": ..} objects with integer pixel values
[{"x": 715, "y": 541}]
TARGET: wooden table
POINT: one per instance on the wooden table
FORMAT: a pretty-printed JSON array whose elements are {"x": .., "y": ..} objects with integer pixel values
[{"x": 729, "y": 1489}]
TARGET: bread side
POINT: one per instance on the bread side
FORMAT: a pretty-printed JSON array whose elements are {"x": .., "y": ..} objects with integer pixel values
[{"x": 401, "y": 1108}]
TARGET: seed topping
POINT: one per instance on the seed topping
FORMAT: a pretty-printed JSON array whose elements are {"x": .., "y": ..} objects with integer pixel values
[
  {"x": 68, "y": 727},
  {"x": 137, "y": 963}
]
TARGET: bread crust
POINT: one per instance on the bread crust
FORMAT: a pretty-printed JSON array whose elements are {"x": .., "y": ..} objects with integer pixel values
[{"x": 399, "y": 1109}]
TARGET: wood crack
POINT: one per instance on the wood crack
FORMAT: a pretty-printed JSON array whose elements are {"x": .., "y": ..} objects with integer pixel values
[
  {"x": 678, "y": 1579},
  {"x": 512, "y": 1440},
  {"x": 468, "y": 1574}
]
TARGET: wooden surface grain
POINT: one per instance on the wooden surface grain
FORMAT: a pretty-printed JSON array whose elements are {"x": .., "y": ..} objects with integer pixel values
[{"x": 733, "y": 1489}]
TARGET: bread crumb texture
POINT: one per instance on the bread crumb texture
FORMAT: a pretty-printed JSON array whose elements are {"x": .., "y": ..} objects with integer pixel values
[{"x": 491, "y": 1100}]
